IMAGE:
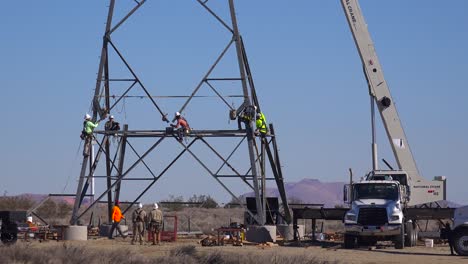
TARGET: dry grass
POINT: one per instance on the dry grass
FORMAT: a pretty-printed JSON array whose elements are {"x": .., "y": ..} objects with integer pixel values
[{"x": 64, "y": 253}]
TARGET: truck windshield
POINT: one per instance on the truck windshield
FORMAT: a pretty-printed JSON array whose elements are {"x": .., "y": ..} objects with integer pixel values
[{"x": 386, "y": 191}]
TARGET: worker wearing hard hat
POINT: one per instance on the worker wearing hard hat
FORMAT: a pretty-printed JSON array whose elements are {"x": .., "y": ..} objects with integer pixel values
[
  {"x": 88, "y": 127},
  {"x": 117, "y": 216},
  {"x": 111, "y": 124},
  {"x": 246, "y": 115},
  {"x": 261, "y": 124},
  {"x": 182, "y": 126},
  {"x": 138, "y": 220},
  {"x": 32, "y": 228},
  {"x": 156, "y": 221}
]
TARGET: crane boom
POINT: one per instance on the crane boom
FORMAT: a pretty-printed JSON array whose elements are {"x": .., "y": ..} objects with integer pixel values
[{"x": 422, "y": 191}]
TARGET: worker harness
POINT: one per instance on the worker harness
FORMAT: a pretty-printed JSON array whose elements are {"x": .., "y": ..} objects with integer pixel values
[
  {"x": 83, "y": 132},
  {"x": 140, "y": 216}
]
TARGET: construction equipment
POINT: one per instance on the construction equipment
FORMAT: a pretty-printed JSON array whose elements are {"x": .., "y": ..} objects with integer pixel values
[
  {"x": 379, "y": 203},
  {"x": 9, "y": 222}
]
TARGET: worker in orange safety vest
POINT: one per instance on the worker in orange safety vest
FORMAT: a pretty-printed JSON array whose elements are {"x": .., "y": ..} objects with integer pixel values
[{"x": 117, "y": 216}]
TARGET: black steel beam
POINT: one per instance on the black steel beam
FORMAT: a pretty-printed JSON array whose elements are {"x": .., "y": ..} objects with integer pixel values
[
  {"x": 429, "y": 213},
  {"x": 319, "y": 213}
]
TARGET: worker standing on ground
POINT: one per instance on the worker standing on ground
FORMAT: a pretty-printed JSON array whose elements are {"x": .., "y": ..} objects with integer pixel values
[
  {"x": 112, "y": 125},
  {"x": 155, "y": 225},
  {"x": 117, "y": 216},
  {"x": 182, "y": 126},
  {"x": 138, "y": 220},
  {"x": 261, "y": 124}
]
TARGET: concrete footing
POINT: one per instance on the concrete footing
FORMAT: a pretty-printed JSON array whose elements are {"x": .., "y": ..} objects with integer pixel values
[
  {"x": 76, "y": 233},
  {"x": 287, "y": 231},
  {"x": 261, "y": 234}
]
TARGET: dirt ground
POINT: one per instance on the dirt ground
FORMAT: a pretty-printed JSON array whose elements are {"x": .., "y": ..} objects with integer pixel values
[{"x": 334, "y": 253}]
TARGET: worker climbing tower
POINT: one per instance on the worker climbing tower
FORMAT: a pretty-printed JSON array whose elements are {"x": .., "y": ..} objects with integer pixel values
[{"x": 106, "y": 155}]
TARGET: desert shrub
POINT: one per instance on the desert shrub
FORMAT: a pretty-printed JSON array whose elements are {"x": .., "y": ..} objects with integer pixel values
[
  {"x": 174, "y": 203},
  {"x": 234, "y": 203},
  {"x": 48, "y": 209},
  {"x": 206, "y": 220},
  {"x": 54, "y": 211},
  {"x": 65, "y": 253},
  {"x": 71, "y": 254},
  {"x": 12, "y": 203},
  {"x": 63, "y": 209},
  {"x": 206, "y": 201},
  {"x": 219, "y": 257},
  {"x": 183, "y": 251}
]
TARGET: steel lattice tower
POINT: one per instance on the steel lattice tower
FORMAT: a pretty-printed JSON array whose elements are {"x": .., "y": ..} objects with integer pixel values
[{"x": 262, "y": 154}]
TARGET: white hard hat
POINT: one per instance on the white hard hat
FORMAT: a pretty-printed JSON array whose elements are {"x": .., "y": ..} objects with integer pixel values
[
  {"x": 29, "y": 219},
  {"x": 111, "y": 117},
  {"x": 87, "y": 116},
  {"x": 140, "y": 205},
  {"x": 155, "y": 206},
  {"x": 177, "y": 114}
]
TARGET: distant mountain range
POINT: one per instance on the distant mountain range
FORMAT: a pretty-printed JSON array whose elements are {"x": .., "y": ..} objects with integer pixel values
[
  {"x": 308, "y": 191},
  {"x": 313, "y": 191}
]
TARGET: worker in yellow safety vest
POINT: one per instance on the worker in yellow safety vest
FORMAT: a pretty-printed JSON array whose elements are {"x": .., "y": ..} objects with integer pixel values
[{"x": 261, "y": 124}]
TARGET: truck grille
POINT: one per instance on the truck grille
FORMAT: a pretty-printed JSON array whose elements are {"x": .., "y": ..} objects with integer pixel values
[{"x": 372, "y": 216}]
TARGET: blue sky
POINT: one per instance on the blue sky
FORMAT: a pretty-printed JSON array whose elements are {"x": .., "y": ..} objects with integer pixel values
[{"x": 305, "y": 66}]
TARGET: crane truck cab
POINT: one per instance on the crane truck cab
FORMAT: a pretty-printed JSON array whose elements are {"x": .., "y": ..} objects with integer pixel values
[{"x": 377, "y": 210}]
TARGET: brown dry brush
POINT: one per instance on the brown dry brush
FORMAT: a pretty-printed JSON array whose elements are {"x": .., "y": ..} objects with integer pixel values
[
  {"x": 13, "y": 203},
  {"x": 74, "y": 254}
]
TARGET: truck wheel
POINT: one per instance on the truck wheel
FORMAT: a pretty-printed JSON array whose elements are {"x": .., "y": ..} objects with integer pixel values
[
  {"x": 416, "y": 235},
  {"x": 400, "y": 239},
  {"x": 9, "y": 238},
  {"x": 460, "y": 242},
  {"x": 349, "y": 241},
  {"x": 409, "y": 238}
]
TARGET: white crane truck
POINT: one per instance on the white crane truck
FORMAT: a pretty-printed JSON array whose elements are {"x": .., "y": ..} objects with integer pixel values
[{"x": 379, "y": 203}]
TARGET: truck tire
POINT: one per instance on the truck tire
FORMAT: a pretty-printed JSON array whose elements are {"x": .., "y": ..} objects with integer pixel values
[
  {"x": 409, "y": 237},
  {"x": 349, "y": 241},
  {"x": 9, "y": 238},
  {"x": 416, "y": 235},
  {"x": 400, "y": 239},
  {"x": 460, "y": 242}
]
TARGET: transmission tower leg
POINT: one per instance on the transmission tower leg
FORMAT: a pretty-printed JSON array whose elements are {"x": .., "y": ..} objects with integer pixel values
[
  {"x": 264, "y": 198},
  {"x": 250, "y": 136},
  {"x": 278, "y": 173},
  {"x": 123, "y": 144},
  {"x": 84, "y": 165},
  {"x": 108, "y": 181}
]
